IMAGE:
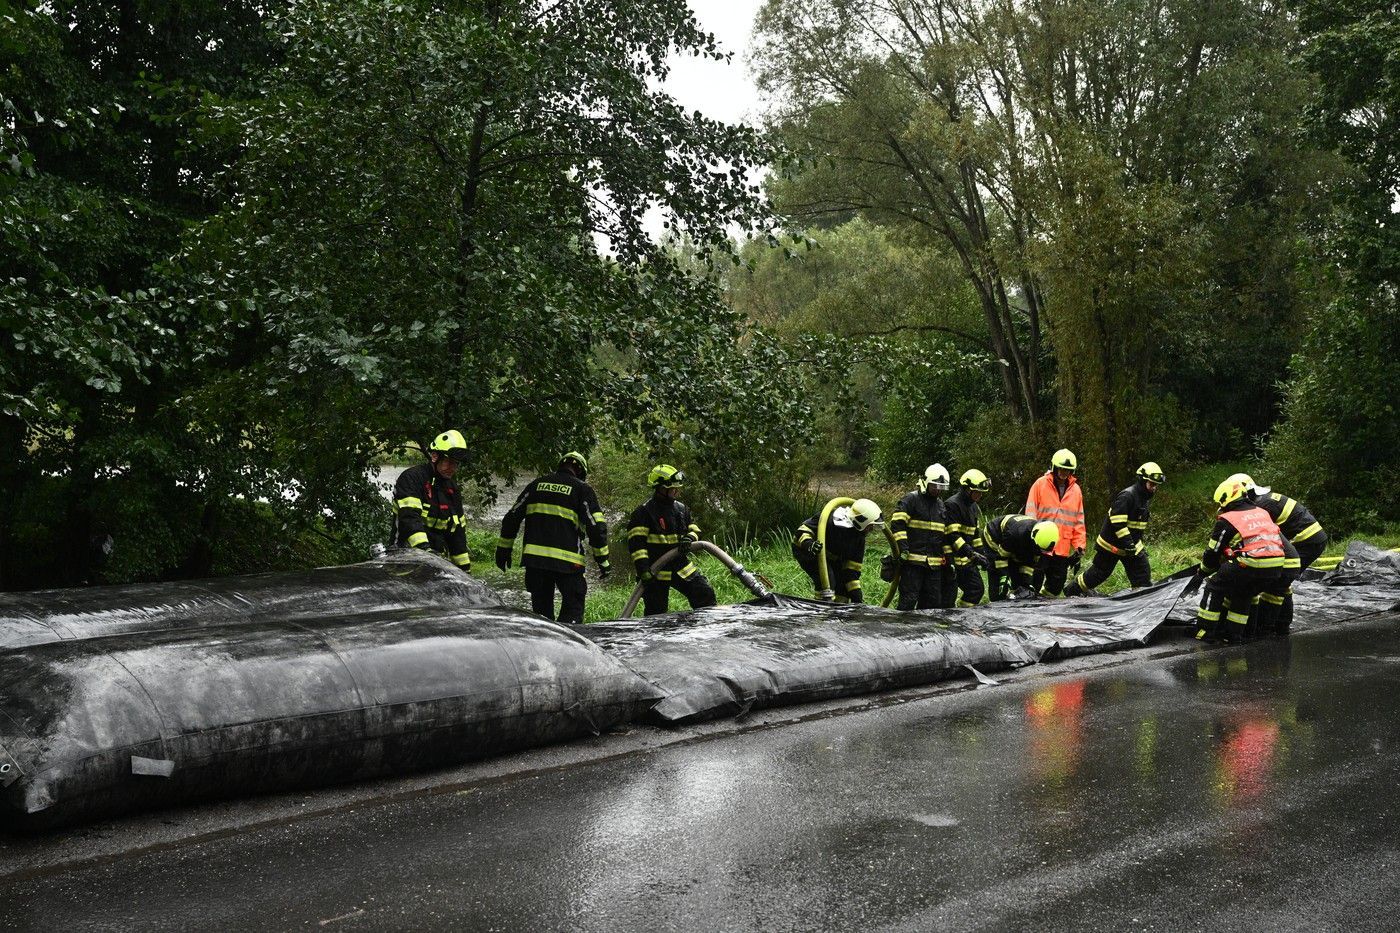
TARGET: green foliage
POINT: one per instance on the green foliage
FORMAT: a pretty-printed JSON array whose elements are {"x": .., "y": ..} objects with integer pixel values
[{"x": 1339, "y": 447}]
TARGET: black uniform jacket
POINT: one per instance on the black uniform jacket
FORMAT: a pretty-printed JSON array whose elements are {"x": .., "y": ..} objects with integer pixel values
[
  {"x": 919, "y": 526},
  {"x": 560, "y": 511},
  {"x": 429, "y": 514},
  {"x": 1126, "y": 521},
  {"x": 656, "y": 526}
]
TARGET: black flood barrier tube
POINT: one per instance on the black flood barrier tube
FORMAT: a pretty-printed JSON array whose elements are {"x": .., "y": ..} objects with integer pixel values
[
  {"x": 401, "y": 579},
  {"x": 1365, "y": 582},
  {"x": 728, "y": 660},
  {"x": 99, "y": 726}
]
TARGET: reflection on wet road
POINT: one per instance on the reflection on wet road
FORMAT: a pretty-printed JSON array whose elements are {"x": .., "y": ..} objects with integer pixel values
[{"x": 1248, "y": 788}]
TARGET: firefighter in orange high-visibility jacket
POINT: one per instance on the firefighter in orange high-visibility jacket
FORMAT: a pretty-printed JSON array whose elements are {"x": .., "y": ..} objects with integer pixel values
[
  {"x": 428, "y": 513},
  {"x": 1056, "y": 497},
  {"x": 1245, "y": 556}
]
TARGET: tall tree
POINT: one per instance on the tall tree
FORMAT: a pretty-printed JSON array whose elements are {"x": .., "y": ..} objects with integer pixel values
[
  {"x": 1071, "y": 156},
  {"x": 1340, "y": 442}
]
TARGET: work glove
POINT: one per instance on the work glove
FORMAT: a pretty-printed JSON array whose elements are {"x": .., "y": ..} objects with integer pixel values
[
  {"x": 688, "y": 539},
  {"x": 981, "y": 560},
  {"x": 1022, "y": 592},
  {"x": 813, "y": 547},
  {"x": 644, "y": 575},
  {"x": 503, "y": 558},
  {"x": 604, "y": 569},
  {"x": 1138, "y": 549}
]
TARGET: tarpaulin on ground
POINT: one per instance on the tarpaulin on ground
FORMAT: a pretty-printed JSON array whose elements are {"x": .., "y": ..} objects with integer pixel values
[
  {"x": 1366, "y": 581},
  {"x": 94, "y": 726},
  {"x": 727, "y": 660},
  {"x": 402, "y": 579}
]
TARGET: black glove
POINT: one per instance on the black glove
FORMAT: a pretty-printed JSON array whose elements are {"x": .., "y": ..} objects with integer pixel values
[
  {"x": 688, "y": 539},
  {"x": 813, "y": 547},
  {"x": 644, "y": 575},
  {"x": 1022, "y": 592},
  {"x": 981, "y": 560},
  {"x": 604, "y": 568},
  {"x": 503, "y": 558},
  {"x": 1076, "y": 556}
]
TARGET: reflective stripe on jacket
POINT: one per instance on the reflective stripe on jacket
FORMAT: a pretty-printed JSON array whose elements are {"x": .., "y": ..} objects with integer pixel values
[
  {"x": 656, "y": 526},
  {"x": 559, "y": 511},
  {"x": 1044, "y": 503},
  {"x": 919, "y": 525}
]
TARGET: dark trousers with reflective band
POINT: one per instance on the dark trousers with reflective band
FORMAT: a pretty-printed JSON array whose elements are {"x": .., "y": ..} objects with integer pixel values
[
  {"x": 837, "y": 573},
  {"x": 920, "y": 586},
  {"x": 969, "y": 582},
  {"x": 1310, "y": 549},
  {"x": 572, "y": 587},
  {"x": 1227, "y": 598},
  {"x": 1274, "y": 614},
  {"x": 656, "y": 595},
  {"x": 1056, "y": 570},
  {"x": 1136, "y": 566}
]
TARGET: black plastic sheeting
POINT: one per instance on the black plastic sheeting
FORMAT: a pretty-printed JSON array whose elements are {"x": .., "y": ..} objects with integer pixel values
[
  {"x": 728, "y": 660},
  {"x": 96, "y": 726},
  {"x": 402, "y": 579},
  {"x": 1367, "y": 581}
]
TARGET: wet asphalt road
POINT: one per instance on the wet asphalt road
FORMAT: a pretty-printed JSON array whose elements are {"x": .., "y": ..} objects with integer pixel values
[{"x": 1246, "y": 788}]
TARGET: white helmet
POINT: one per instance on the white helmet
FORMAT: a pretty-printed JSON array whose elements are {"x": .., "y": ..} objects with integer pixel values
[
  {"x": 864, "y": 514},
  {"x": 936, "y": 476}
]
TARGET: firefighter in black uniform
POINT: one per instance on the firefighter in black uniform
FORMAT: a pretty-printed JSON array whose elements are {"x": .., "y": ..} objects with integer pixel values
[
  {"x": 429, "y": 504},
  {"x": 1245, "y": 555},
  {"x": 918, "y": 528},
  {"x": 844, "y": 551},
  {"x": 661, "y": 523},
  {"x": 560, "y": 511},
  {"x": 963, "y": 537},
  {"x": 1018, "y": 546},
  {"x": 1296, "y": 522},
  {"x": 1120, "y": 538}
]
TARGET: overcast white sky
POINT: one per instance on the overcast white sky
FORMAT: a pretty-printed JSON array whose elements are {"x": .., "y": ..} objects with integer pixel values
[{"x": 719, "y": 91}]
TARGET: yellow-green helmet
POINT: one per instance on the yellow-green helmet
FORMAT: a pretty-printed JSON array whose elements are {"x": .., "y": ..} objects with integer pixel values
[
  {"x": 451, "y": 444},
  {"x": 1228, "y": 491},
  {"x": 1045, "y": 535},
  {"x": 1064, "y": 459},
  {"x": 865, "y": 513},
  {"x": 936, "y": 476},
  {"x": 578, "y": 460},
  {"x": 665, "y": 476},
  {"x": 975, "y": 479},
  {"x": 1151, "y": 472}
]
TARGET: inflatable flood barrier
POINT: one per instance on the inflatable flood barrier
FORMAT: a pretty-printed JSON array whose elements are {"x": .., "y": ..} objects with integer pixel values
[
  {"x": 402, "y": 579},
  {"x": 98, "y": 726},
  {"x": 728, "y": 660}
]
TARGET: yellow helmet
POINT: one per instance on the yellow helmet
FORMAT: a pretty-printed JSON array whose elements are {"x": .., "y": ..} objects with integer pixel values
[
  {"x": 975, "y": 479},
  {"x": 1243, "y": 478},
  {"x": 579, "y": 461},
  {"x": 665, "y": 476},
  {"x": 864, "y": 514},
  {"x": 451, "y": 444},
  {"x": 1065, "y": 460},
  {"x": 1228, "y": 491},
  {"x": 1151, "y": 472},
  {"x": 936, "y": 476},
  {"x": 1045, "y": 535}
]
